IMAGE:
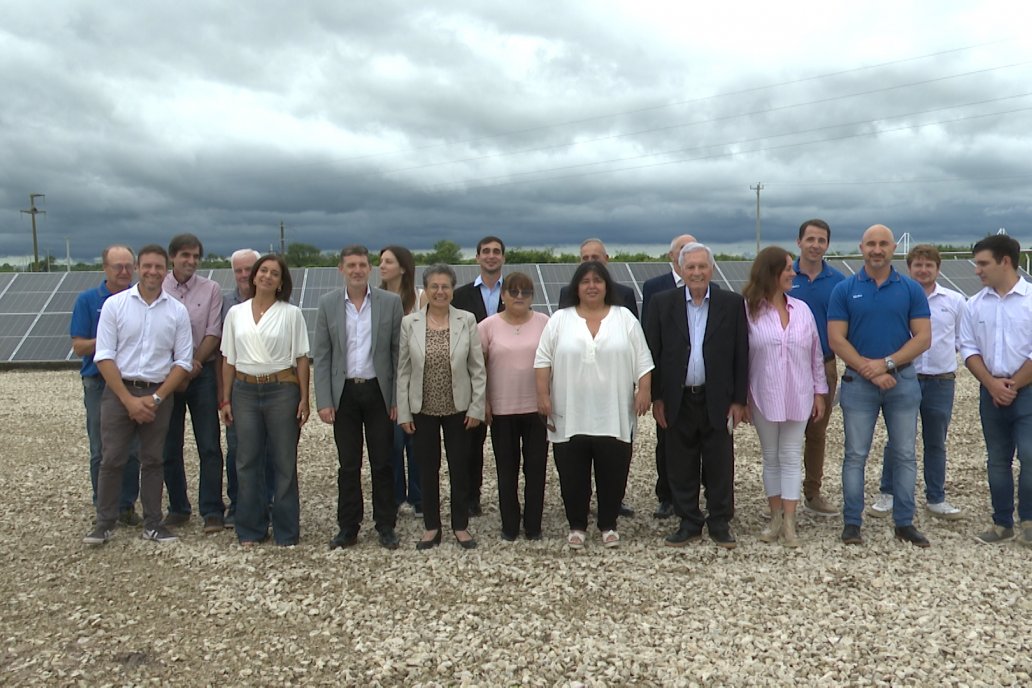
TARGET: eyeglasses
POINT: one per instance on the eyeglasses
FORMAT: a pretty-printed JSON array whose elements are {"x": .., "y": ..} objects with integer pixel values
[
  {"x": 121, "y": 267},
  {"x": 517, "y": 293},
  {"x": 439, "y": 287}
]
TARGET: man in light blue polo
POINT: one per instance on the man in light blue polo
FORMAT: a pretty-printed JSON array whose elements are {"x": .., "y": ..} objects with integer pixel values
[
  {"x": 119, "y": 265},
  {"x": 813, "y": 284},
  {"x": 878, "y": 323}
]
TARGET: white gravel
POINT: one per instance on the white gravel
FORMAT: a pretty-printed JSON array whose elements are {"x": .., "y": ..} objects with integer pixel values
[{"x": 202, "y": 611}]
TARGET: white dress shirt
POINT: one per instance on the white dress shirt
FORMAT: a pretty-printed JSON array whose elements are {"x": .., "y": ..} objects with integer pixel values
[
  {"x": 144, "y": 340},
  {"x": 947, "y": 308},
  {"x": 999, "y": 329},
  {"x": 272, "y": 344},
  {"x": 358, "y": 326}
]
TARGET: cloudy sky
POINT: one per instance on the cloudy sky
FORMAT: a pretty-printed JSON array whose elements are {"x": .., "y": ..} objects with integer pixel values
[{"x": 541, "y": 122}]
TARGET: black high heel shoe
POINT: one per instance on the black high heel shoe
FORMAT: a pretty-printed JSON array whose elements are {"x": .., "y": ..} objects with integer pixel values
[
  {"x": 432, "y": 542},
  {"x": 466, "y": 544}
]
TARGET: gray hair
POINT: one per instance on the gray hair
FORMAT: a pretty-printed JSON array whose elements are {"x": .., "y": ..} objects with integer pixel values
[
  {"x": 244, "y": 253},
  {"x": 594, "y": 240},
  {"x": 692, "y": 248},
  {"x": 439, "y": 269},
  {"x": 106, "y": 251}
]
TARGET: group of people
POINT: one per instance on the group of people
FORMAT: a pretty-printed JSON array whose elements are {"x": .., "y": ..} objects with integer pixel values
[{"x": 396, "y": 368}]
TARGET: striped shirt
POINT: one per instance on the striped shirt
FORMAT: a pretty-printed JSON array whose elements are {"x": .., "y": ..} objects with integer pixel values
[{"x": 786, "y": 364}]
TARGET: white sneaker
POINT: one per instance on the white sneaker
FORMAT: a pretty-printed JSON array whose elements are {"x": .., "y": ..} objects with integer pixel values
[
  {"x": 943, "y": 510},
  {"x": 882, "y": 506}
]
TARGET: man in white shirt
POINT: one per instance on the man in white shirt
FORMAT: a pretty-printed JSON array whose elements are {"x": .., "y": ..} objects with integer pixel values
[
  {"x": 355, "y": 347},
  {"x": 996, "y": 345},
  {"x": 144, "y": 352},
  {"x": 936, "y": 373}
]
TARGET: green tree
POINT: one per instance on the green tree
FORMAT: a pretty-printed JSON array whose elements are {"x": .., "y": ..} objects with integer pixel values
[
  {"x": 301, "y": 255},
  {"x": 445, "y": 251}
]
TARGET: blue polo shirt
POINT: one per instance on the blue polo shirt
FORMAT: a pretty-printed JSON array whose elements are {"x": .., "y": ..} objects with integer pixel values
[
  {"x": 816, "y": 295},
  {"x": 85, "y": 316},
  {"x": 878, "y": 317}
]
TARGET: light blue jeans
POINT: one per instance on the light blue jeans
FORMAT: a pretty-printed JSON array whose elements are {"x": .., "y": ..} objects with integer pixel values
[
  {"x": 861, "y": 403},
  {"x": 936, "y": 411}
]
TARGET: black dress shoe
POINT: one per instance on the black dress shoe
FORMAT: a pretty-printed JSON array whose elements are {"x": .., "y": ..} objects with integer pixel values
[
  {"x": 626, "y": 510},
  {"x": 851, "y": 535},
  {"x": 723, "y": 538},
  {"x": 389, "y": 539},
  {"x": 534, "y": 536},
  {"x": 683, "y": 536},
  {"x": 345, "y": 538},
  {"x": 466, "y": 544},
  {"x": 431, "y": 543},
  {"x": 664, "y": 510},
  {"x": 509, "y": 537},
  {"x": 475, "y": 508},
  {"x": 912, "y": 535}
]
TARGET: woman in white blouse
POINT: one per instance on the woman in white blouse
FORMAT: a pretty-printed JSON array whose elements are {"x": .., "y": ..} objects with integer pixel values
[
  {"x": 593, "y": 373},
  {"x": 265, "y": 394}
]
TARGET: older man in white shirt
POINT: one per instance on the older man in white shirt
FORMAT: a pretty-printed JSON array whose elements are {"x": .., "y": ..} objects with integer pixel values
[
  {"x": 936, "y": 373},
  {"x": 144, "y": 351},
  {"x": 996, "y": 345}
]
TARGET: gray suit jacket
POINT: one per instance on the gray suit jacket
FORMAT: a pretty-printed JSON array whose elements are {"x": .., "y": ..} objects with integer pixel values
[
  {"x": 330, "y": 345},
  {"x": 468, "y": 373}
]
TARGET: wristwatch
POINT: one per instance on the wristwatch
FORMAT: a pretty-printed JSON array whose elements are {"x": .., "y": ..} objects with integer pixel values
[
  {"x": 157, "y": 399},
  {"x": 890, "y": 365}
]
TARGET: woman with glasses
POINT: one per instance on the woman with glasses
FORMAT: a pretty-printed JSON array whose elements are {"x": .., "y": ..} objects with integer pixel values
[
  {"x": 593, "y": 374},
  {"x": 441, "y": 387},
  {"x": 510, "y": 340}
]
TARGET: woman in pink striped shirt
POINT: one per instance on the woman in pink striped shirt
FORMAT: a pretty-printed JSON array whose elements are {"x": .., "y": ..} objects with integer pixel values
[{"x": 786, "y": 381}]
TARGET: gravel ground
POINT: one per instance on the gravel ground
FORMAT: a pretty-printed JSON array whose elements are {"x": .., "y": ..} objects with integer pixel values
[{"x": 202, "y": 611}]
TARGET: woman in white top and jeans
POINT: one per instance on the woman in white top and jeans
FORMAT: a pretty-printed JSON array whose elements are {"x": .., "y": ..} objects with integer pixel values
[
  {"x": 594, "y": 374},
  {"x": 265, "y": 394}
]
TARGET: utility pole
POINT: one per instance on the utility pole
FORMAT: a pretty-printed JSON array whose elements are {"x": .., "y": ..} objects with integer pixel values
[
  {"x": 282, "y": 239},
  {"x": 68, "y": 254},
  {"x": 32, "y": 212},
  {"x": 758, "y": 188}
]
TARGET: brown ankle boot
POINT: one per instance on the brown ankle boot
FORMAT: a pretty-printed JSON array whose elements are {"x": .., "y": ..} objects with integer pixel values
[
  {"x": 773, "y": 529},
  {"x": 788, "y": 534}
]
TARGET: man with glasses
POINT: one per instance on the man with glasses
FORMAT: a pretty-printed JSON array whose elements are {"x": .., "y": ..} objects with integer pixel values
[{"x": 118, "y": 262}]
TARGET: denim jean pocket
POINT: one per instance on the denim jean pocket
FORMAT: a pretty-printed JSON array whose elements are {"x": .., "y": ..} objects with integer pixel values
[{"x": 847, "y": 378}]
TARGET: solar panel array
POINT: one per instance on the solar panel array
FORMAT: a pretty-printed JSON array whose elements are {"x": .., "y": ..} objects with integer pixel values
[{"x": 35, "y": 308}]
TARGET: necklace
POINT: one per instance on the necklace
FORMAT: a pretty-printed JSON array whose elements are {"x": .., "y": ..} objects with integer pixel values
[
  {"x": 437, "y": 323},
  {"x": 515, "y": 326}
]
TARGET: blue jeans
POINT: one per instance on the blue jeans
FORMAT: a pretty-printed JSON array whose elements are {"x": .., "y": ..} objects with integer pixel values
[
  {"x": 936, "y": 411},
  {"x": 231, "y": 471},
  {"x": 92, "y": 391},
  {"x": 1008, "y": 428},
  {"x": 861, "y": 403},
  {"x": 202, "y": 398},
  {"x": 265, "y": 416},
  {"x": 402, "y": 446}
]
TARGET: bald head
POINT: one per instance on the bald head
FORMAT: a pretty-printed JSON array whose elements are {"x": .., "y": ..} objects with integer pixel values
[
  {"x": 877, "y": 246},
  {"x": 677, "y": 244}
]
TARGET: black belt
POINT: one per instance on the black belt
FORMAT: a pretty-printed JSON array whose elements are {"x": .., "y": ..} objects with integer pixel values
[
  {"x": 940, "y": 376},
  {"x": 694, "y": 389},
  {"x": 359, "y": 380},
  {"x": 901, "y": 366},
  {"x": 139, "y": 384},
  {"x": 829, "y": 357}
]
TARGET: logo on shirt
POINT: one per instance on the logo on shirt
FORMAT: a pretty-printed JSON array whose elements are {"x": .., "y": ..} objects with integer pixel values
[{"x": 858, "y": 296}]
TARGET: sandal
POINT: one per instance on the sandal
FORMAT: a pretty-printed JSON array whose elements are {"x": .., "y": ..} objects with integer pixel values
[
  {"x": 610, "y": 538},
  {"x": 576, "y": 538}
]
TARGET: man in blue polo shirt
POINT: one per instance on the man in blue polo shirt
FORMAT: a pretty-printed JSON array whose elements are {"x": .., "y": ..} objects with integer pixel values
[
  {"x": 813, "y": 284},
  {"x": 878, "y": 323},
  {"x": 118, "y": 262}
]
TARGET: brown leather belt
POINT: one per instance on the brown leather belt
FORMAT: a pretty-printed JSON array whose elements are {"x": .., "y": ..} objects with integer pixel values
[
  {"x": 940, "y": 376},
  {"x": 285, "y": 375}
]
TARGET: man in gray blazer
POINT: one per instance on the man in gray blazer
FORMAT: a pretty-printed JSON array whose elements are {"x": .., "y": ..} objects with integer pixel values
[{"x": 356, "y": 361}]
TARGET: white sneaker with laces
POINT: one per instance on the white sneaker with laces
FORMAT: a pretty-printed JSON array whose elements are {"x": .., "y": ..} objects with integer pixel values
[
  {"x": 944, "y": 510},
  {"x": 882, "y": 506}
]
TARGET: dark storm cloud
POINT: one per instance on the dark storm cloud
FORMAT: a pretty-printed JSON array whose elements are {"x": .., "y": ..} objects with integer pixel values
[{"x": 407, "y": 122}]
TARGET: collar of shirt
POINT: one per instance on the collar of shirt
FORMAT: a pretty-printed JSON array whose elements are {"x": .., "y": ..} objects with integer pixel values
[
  {"x": 368, "y": 291},
  {"x": 825, "y": 269},
  {"x": 864, "y": 277},
  {"x": 1020, "y": 287},
  {"x": 479, "y": 282},
  {"x": 180, "y": 287},
  {"x": 678, "y": 280},
  {"x": 691, "y": 302},
  {"x": 134, "y": 292}
]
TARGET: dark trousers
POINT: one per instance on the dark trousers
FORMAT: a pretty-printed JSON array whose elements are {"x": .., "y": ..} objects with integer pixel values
[
  {"x": 119, "y": 433},
  {"x": 201, "y": 396},
  {"x": 477, "y": 436},
  {"x": 508, "y": 433},
  {"x": 574, "y": 459},
  {"x": 428, "y": 453},
  {"x": 361, "y": 405},
  {"x": 662, "y": 479},
  {"x": 699, "y": 453}
]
